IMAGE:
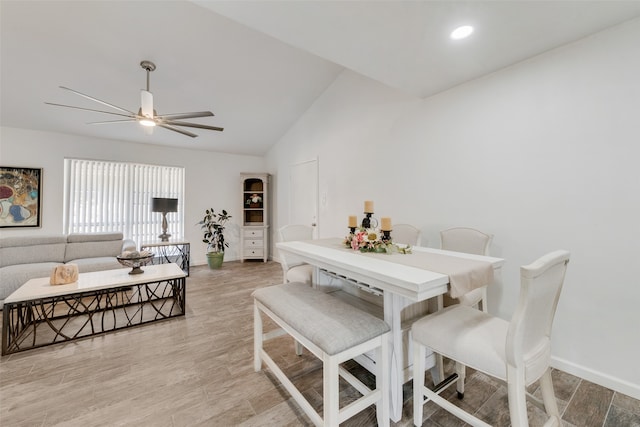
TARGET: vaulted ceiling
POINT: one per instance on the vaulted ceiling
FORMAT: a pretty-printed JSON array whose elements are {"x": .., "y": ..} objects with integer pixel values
[{"x": 257, "y": 65}]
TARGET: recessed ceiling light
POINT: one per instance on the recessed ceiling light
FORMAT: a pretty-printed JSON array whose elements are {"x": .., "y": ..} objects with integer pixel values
[{"x": 461, "y": 32}]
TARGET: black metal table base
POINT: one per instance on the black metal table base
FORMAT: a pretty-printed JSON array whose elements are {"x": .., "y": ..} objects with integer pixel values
[
  {"x": 45, "y": 321},
  {"x": 169, "y": 252}
]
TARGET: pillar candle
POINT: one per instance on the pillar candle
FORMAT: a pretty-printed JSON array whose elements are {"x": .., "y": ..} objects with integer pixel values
[
  {"x": 368, "y": 206},
  {"x": 353, "y": 221},
  {"x": 385, "y": 223}
]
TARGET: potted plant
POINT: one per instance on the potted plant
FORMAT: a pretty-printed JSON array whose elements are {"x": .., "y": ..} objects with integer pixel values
[{"x": 213, "y": 227}]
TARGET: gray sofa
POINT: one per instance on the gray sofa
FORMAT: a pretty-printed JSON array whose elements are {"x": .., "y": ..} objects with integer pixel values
[{"x": 28, "y": 257}]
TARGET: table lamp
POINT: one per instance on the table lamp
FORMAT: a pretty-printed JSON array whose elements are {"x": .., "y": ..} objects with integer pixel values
[{"x": 163, "y": 205}]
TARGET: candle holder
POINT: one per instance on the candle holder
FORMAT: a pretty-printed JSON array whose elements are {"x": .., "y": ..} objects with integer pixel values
[
  {"x": 353, "y": 230},
  {"x": 386, "y": 235},
  {"x": 369, "y": 221},
  {"x": 366, "y": 221}
]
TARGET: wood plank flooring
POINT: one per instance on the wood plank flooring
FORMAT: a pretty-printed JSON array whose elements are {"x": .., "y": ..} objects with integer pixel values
[{"x": 197, "y": 371}]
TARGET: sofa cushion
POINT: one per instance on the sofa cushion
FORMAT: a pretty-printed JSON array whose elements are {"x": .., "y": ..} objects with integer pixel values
[
  {"x": 92, "y": 245},
  {"x": 93, "y": 237},
  {"x": 86, "y": 265},
  {"x": 32, "y": 249},
  {"x": 14, "y": 276}
]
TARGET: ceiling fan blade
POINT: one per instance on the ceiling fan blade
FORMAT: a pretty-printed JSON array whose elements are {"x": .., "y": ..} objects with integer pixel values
[
  {"x": 184, "y": 132},
  {"x": 192, "y": 125},
  {"x": 105, "y": 122},
  {"x": 97, "y": 100},
  {"x": 146, "y": 103},
  {"x": 185, "y": 115},
  {"x": 131, "y": 115}
]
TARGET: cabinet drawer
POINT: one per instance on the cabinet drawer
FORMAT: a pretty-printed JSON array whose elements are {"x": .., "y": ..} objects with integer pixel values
[
  {"x": 253, "y": 243},
  {"x": 249, "y": 234},
  {"x": 249, "y": 252}
]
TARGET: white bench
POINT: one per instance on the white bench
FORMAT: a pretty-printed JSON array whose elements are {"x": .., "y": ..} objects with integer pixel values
[{"x": 334, "y": 332}]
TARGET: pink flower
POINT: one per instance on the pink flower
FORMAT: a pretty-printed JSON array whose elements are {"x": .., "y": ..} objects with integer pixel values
[{"x": 358, "y": 238}]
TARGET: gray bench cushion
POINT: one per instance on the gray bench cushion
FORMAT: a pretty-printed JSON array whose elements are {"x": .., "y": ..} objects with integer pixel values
[{"x": 331, "y": 324}]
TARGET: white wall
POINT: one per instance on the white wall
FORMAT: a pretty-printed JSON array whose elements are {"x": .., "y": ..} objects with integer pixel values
[
  {"x": 212, "y": 180},
  {"x": 543, "y": 154}
]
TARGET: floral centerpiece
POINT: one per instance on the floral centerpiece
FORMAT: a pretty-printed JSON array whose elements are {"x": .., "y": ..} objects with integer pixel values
[{"x": 372, "y": 240}]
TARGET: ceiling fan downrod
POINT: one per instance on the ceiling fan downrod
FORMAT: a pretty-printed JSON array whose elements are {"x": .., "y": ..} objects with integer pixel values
[{"x": 148, "y": 66}]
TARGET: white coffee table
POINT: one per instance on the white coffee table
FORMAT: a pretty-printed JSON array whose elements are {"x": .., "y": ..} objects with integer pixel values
[{"x": 39, "y": 314}]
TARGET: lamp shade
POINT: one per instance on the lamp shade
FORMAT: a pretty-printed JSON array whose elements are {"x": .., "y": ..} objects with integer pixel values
[{"x": 159, "y": 204}]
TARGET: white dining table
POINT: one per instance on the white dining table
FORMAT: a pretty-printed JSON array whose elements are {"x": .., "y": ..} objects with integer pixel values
[{"x": 397, "y": 284}]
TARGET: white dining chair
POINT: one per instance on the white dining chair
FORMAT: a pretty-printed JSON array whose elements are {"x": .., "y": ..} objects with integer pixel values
[
  {"x": 406, "y": 234},
  {"x": 295, "y": 270},
  {"x": 517, "y": 352},
  {"x": 471, "y": 241}
]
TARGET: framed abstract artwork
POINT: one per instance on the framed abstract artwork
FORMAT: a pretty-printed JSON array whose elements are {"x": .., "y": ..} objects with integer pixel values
[{"x": 20, "y": 195}]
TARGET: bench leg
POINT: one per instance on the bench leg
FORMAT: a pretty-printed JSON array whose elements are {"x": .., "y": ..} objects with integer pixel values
[
  {"x": 257, "y": 338},
  {"x": 331, "y": 390}
]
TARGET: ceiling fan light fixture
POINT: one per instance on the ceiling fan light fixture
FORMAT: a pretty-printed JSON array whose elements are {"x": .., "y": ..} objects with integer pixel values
[
  {"x": 146, "y": 103},
  {"x": 461, "y": 32},
  {"x": 147, "y": 122}
]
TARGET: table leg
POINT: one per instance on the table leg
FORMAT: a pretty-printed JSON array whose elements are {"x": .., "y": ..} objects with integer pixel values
[{"x": 392, "y": 315}]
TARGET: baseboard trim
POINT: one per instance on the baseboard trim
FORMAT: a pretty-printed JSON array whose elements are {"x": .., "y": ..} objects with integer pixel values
[{"x": 613, "y": 383}]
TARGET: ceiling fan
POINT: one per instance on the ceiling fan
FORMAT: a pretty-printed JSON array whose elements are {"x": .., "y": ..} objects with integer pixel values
[{"x": 146, "y": 114}]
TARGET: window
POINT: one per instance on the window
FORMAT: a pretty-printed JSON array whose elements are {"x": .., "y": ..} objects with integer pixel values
[{"x": 116, "y": 196}]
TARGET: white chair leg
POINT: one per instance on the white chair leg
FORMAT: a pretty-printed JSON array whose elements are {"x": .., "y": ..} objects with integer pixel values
[
  {"x": 298, "y": 347},
  {"x": 418, "y": 382},
  {"x": 483, "y": 301},
  {"x": 461, "y": 370},
  {"x": 517, "y": 393},
  {"x": 257, "y": 338},
  {"x": 548, "y": 395}
]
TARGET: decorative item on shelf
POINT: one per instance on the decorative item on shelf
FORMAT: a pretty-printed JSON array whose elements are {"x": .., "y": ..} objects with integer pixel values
[
  {"x": 164, "y": 205},
  {"x": 254, "y": 201},
  {"x": 135, "y": 260},
  {"x": 213, "y": 225}
]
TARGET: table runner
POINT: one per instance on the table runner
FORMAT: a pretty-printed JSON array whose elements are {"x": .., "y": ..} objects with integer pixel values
[{"x": 464, "y": 274}]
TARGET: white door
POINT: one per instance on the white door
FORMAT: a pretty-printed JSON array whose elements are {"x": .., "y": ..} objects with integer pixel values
[{"x": 303, "y": 204}]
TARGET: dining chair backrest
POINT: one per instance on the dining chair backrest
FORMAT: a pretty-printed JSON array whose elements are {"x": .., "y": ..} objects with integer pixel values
[
  {"x": 471, "y": 241},
  {"x": 295, "y": 269},
  {"x": 293, "y": 232},
  {"x": 528, "y": 337},
  {"x": 465, "y": 239},
  {"x": 406, "y": 234}
]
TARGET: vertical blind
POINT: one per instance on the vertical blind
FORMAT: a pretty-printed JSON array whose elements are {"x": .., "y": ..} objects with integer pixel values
[{"x": 116, "y": 196}]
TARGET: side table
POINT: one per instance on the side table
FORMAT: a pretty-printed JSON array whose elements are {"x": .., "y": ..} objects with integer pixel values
[{"x": 168, "y": 252}]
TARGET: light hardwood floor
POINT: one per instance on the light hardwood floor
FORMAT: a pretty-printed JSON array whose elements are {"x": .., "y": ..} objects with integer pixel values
[{"x": 197, "y": 371}]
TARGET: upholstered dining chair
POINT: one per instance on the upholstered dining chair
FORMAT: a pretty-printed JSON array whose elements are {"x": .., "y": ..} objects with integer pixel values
[
  {"x": 295, "y": 270},
  {"x": 516, "y": 352},
  {"x": 471, "y": 241},
  {"x": 406, "y": 234}
]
